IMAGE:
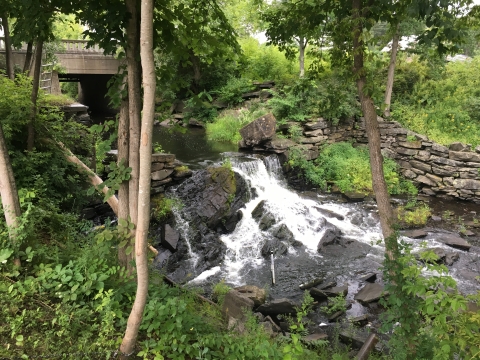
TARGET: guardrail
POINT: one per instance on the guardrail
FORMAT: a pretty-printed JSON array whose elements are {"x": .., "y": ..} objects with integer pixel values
[{"x": 75, "y": 46}]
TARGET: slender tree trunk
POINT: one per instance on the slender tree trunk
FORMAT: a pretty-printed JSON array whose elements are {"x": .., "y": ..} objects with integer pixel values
[
  {"x": 197, "y": 75},
  {"x": 95, "y": 180},
  {"x": 28, "y": 57},
  {"x": 134, "y": 104},
  {"x": 391, "y": 72},
  {"x": 301, "y": 55},
  {"x": 8, "y": 47},
  {"x": 8, "y": 193},
  {"x": 373, "y": 133},
  {"x": 123, "y": 210},
  {"x": 146, "y": 46},
  {"x": 36, "y": 82}
]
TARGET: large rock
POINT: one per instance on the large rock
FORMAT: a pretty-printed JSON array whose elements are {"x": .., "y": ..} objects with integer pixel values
[
  {"x": 170, "y": 238},
  {"x": 467, "y": 184},
  {"x": 235, "y": 303},
  {"x": 464, "y": 156},
  {"x": 258, "y": 131},
  {"x": 280, "y": 144},
  {"x": 370, "y": 293},
  {"x": 278, "y": 306},
  {"x": 274, "y": 246},
  {"x": 283, "y": 233},
  {"x": 254, "y": 293},
  {"x": 262, "y": 216},
  {"x": 454, "y": 241},
  {"x": 211, "y": 201},
  {"x": 330, "y": 236}
]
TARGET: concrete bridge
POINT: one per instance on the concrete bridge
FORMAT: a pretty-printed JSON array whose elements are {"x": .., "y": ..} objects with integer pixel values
[{"x": 89, "y": 67}]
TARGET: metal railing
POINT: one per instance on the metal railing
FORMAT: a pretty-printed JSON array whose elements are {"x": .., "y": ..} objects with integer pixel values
[{"x": 75, "y": 46}]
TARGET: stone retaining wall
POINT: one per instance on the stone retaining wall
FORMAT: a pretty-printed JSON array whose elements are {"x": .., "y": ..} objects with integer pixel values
[{"x": 437, "y": 170}]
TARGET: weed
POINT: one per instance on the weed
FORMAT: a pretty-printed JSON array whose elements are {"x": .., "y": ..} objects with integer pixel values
[
  {"x": 337, "y": 303},
  {"x": 416, "y": 217}
]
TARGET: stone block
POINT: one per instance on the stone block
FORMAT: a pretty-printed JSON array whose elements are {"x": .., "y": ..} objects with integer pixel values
[
  {"x": 314, "y": 125},
  {"x": 160, "y": 157},
  {"x": 468, "y": 184},
  {"x": 421, "y": 165},
  {"x": 157, "y": 166},
  {"x": 444, "y": 170},
  {"x": 445, "y": 161},
  {"x": 423, "y": 155},
  {"x": 161, "y": 174},
  {"x": 370, "y": 293},
  {"x": 425, "y": 180},
  {"x": 458, "y": 146},
  {"x": 411, "y": 144},
  {"x": 439, "y": 148},
  {"x": 464, "y": 156},
  {"x": 436, "y": 179},
  {"x": 170, "y": 238},
  {"x": 408, "y": 152},
  {"x": 313, "y": 133}
]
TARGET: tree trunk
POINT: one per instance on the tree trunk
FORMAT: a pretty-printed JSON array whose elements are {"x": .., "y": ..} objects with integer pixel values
[
  {"x": 123, "y": 211},
  {"x": 197, "y": 75},
  {"x": 95, "y": 180},
  {"x": 148, "y": 112},
  {"x": 36, "y": 82},
  {"x": 134, "y": 104},
  {"x": 8, "y": 47},
  {"x": 301, "y": 55},
  {"x": 28, "y": 57},
  {"x": 373, "y": 133},
  {"x": 391, "y": 72},
  {"x": 8, "y": 194}
]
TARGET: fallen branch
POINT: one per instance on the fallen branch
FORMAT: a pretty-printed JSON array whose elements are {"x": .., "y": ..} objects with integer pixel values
[
  {"x": 95, "y": 180},
  {"x": 152, "y": 249}
]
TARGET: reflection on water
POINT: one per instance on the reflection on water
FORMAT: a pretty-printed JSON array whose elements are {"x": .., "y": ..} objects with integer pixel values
[{"x": 191, "y": 147}]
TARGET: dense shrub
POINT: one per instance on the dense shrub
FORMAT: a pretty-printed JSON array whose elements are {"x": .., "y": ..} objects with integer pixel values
[
  {"x": 349, "y": 169},
  {"x": 445, "y": 108},
  {"x": 231, "y": 92}
]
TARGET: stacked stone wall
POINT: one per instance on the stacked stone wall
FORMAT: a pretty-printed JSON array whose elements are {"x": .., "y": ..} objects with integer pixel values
[{"x": 437, "y": 170}]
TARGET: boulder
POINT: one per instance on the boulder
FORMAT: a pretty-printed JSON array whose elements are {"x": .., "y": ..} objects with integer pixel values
[
  {"x": 259, "y": 210},
  {"x": 170, "y": 238},
  {"x": 161, "y": 174},
  {"x": 369, "y": 293},
  {"x": 330, "y": 213},
  {"x": 211, "y": 200},
  {"x": 256, "y": 294},
  {"x": 352, "y": 196},
  {"x": 234, "y": 308},
  {"x": 318, "y": 294},
  {"x": 450, "y": 258},
  {"x": 274, "y": 246},
  {"x": 280, "y": 144},
  {"x": 278, "y": 306},
  {"x": 258, "y": 131},
  {"x": 454, "y": 241},
  {"x": 283, "y": 233},
  {"x": 266, "y": 222},
  {"x": 330, "y": 236},
  {"x": 415, "y": 234}
]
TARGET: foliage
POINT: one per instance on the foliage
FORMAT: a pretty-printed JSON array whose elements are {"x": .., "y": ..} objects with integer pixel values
[
  {"x": 219, "y": 291},
  {"x": 226, "y": 127},
  {"x": 348, "y": 168},
  {"x": 163, "y": 207},
  {"x": 426, "y": 313},
  {"x": 200, "y": 108},
  {"x": 416, "y": 217},
  {"x": 261, "y": 62},
  {"x": 231, "y": 92},
  {"x": 67, "y": 27},
  {"x": 337, "y": 303},
  {"x": 45, "y": 169},
  {"x": 444, "y": 108}
]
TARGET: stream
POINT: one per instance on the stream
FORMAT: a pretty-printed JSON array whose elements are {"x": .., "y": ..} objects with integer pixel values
[{"x": 305, "y": 214}]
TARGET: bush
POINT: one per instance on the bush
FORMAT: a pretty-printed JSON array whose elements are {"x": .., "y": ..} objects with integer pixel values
[
  {"x": 231, "y": 92},
  {"x": 348, "y": 168}
]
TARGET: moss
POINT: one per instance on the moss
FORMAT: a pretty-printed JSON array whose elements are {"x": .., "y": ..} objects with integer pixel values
[
  {"x": 225, "y": 176},
  {"x": 181, "y": 168}
]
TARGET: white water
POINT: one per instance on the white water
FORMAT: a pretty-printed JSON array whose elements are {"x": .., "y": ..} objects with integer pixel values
[
  {"x": 184, "y": 228},
  {"x": 300, "y": 215}
]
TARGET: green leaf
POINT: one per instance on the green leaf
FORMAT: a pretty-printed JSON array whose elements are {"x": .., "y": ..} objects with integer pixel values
[
  {"x": 90, "y": 191},
  {"x": 5, "y": 255}
]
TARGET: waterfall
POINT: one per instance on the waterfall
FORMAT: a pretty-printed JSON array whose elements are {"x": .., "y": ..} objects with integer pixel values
[
  {"x": 184, "y": 228},
  {"x": 302, "y": 216}
]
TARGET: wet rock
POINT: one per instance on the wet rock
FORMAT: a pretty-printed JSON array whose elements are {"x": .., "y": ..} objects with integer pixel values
[
  {"x": 361, "y": 320},
  {"x": 370, "y": 277},
  {"x": 454, "y": 241},
  {"x": 357, "y": 219},
  {"x": 436, "y": 218},
  {"x": 327, "y": 285},
  {"x": 235, "y": 304},
  {"x": 354, "y": 338},
  {"x": 256, "y": 294},
  {"x": 259, "y": 210},
  {"x": 318, "y": 294},
  {"x": 468, "y": 233},
  {"x": 278, "y": 306},
  {"x": 170, "y": 238},
  {"x": 211, "y": 200},
  {"x": 330, "y": 236},
  {"x": 259, "y": 131},
  {"x": 336, "y": 291},
  {"x": 335, "y": 315},
  {"x": 272, "y": 323},
  {"x": 161, "y": 259},
  {"x": 311, "y": 284},
  {"x": 415, "y": 234},
  {"x": 266, "y": 222},
  {"x": 354, "y": 196},
  {"x": 274, "y": 246},
  {"x": 314, "y": 337},
  {"x": 283, "y": 233},
  {"x": 450, "y": 258},
  {"x": 369, "y": 293},
  {"x": 330, "y": 213}
]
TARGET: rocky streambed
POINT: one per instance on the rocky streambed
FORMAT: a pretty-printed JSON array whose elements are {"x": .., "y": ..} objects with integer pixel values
[{"x": 234, "y": 217}]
